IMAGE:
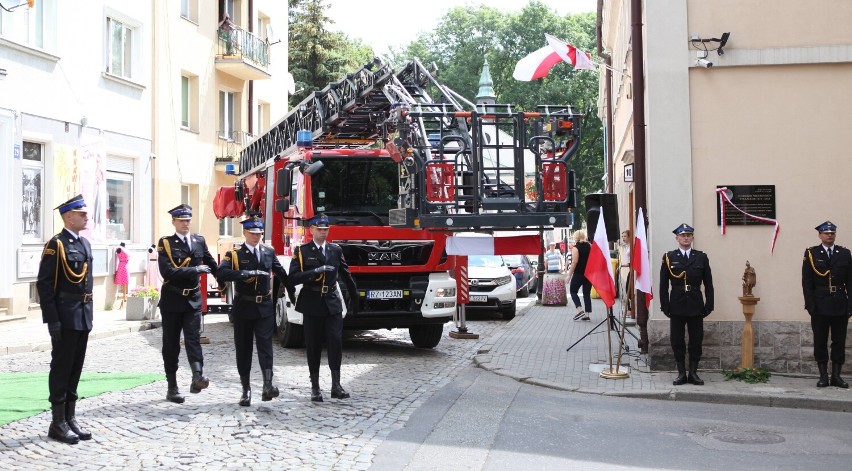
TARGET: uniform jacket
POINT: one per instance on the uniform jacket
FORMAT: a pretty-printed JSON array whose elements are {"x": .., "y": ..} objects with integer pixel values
[
  {"x": 822, "y": 298},
  {"x": 177, "y": 262},
  {"x": 307, "y": 257},
  {"x": 250, "y": 287},
  {"x": 686, "y": 277},
  {"x": 64, "y": 276}
]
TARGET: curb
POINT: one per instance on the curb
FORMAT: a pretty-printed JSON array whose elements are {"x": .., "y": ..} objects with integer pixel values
[{"x": 46, "y": 346}]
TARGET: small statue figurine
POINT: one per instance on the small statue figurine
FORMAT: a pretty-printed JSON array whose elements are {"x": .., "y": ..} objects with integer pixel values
[{"x": 749, "y": 279}]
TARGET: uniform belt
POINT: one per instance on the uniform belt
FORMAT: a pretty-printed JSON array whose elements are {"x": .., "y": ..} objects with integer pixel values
[
  {"x": 182, "y": 291},
  {"x": 687, "y": 287},
  {"x": 831, "y": 289},
  {"x": 321, "y": 289},
  {"x": 85, "y": 297},
  {"x": 255, "y": 299}
]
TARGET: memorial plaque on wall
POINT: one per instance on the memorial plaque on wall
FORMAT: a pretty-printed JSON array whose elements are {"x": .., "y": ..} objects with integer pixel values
[{"x": 757, "y": 200}]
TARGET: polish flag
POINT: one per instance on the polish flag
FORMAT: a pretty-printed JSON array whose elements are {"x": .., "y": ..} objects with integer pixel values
[
  {"x": 599, "y": 266},
  {"x": 537, "y": 64},
  {"x": 640, "y": 260},
  {"x": 487, "y": 245}
]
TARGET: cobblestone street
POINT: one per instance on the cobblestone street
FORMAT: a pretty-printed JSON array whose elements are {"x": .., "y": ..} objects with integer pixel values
[{"x": 137, "y": 429}]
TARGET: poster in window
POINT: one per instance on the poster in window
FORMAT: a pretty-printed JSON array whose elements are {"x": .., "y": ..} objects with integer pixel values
[{"x": 31, "y": 181}]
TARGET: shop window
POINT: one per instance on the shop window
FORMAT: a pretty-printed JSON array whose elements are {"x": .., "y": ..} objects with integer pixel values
[
  {"x": 32, "y": 191},
  {"x": 119, "y": 211}
]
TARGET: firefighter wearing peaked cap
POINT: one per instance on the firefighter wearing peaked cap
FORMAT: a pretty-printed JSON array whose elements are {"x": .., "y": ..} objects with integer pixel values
[
  {"x": 182, "y": 257},
  {"x": 684, "y": 270},
  {"x": 826, "y": 278},
  {"x": 317, "y": 266},
  {"x": 65, "y": 293},
  {"x": 250, "y": 267}
]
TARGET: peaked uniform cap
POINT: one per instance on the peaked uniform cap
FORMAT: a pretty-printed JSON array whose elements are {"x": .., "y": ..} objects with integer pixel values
[
  {"x": 827, "y": 226},
  {"x": 320, "y": 220},
  {"x": 183, "y": 211},
  {"x": 683, "y": 229},
  {"x": 253, "y": 224},
  {"x": 76, "y": 204}
]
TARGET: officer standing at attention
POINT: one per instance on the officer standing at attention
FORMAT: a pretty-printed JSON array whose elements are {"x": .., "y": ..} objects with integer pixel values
[
  {"x": 182, "y": 257},
  {"x": 686, "y": 269},
  {"x": 826, "y": 276},
  {"x": 65, "y": 294},
  {"x": 317, "y": 266},
  {"x": 253, "y": 308}
]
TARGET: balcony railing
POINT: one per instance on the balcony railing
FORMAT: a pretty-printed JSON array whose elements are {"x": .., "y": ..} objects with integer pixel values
[
  {"x": 230, "y": 144},
  {"x": 235, "y": 42}
]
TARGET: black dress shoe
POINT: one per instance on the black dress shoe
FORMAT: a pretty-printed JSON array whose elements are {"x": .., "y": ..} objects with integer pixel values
[{"x": 173, "y": 394}]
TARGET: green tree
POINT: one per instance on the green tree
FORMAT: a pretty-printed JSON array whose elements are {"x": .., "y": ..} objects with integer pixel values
[{"x": 317, "y": 55}]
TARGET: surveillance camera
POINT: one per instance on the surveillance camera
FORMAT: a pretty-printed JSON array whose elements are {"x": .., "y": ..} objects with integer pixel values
[{"x": 704, "y": 63}]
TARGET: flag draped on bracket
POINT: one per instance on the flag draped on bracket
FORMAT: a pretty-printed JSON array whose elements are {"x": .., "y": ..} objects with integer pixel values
[
  {"x": 488, "y": 245},
  {"x": 641, "y": 261},
  {"x": 599, "y": 267},
  {"x": 538, "y": 63}
]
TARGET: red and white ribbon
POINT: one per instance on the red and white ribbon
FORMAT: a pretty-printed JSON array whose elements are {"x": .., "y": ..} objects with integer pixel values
[{"x": 723, "y": 197}]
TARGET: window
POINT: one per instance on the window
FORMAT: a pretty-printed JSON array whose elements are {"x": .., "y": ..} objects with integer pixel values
[
  {"x": 32, "y": 178},
  {"x": 262, "y": 118},
  {"x": 226, "y": 227},
  {"x": 24, "y": 25},
  {"x": 185, "y": 194},
  {"x": 226, "y": 115},
  {"x": 119, "y": 214},
  {"x": 189, "y": 10},
  {"x": 188, "y": 101},
  {"x": 120, "y": 48}
]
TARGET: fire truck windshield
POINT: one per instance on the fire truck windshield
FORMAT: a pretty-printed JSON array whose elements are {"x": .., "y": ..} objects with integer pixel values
[{"x": 356, "y": 187}]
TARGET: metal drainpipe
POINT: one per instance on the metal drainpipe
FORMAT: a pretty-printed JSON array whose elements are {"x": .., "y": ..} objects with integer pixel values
[
  {"x": 639, "y": 188},
  {"x": 608, "y": 91}
]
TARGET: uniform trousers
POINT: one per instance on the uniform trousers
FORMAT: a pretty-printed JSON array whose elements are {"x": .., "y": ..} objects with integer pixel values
[
  {"x": 678, "y": 327},
  {"x": 173, "y": 323},
  {"x": 821, "y": 326},
  {"x": 261, "y": 329},
  {"x": 317, "y": 328},
  {"x": 66, "y": 365}
]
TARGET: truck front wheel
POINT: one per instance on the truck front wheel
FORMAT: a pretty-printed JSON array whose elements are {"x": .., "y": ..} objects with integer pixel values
[
  {"x": 291, "y": 335},
  {"x": 426, "y": 336}
]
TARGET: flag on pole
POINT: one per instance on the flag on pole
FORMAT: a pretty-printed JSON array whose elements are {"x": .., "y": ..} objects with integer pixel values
[
  {"x": 599, "y": 265},
  {"x": 487, "y": 245},
  {"x": 640, "y": 260},
  {"x": 538, "y": 63},
  {"x": 570, "y": 54}
]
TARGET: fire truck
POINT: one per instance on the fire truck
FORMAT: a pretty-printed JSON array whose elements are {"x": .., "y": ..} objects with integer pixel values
[{"x": 398, "y": 161}]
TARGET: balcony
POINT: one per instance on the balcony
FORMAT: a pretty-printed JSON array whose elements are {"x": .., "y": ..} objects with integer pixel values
[
  {"x": 242, "y": 54},
  {"x": 228, "y": 149}
]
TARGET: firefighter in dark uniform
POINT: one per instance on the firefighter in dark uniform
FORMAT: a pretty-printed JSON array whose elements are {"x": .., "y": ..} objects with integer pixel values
[
  {"x": 685, "y": 269},
  {"x": 317, "y": 266},
  {"x": 253, "y": 310},
  {"x": 826, "y": 277},
  {"x": 182, "y": 257},
  {"x": 65, "y": 293}
]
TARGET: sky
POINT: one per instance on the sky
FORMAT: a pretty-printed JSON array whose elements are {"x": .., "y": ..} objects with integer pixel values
[{"x": 383, "y": 23}]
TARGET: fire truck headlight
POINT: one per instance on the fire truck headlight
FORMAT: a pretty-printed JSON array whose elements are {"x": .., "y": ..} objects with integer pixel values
[{"x": 445, "y": 292}]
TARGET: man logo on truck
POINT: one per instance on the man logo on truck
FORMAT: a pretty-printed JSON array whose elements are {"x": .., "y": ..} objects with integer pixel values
[{"x": 383, "y": 256}]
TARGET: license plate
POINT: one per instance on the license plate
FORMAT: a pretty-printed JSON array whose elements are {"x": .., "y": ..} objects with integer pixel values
[
  {"x": 385, "y": 294},
  {"x": 479, "y": 299}
]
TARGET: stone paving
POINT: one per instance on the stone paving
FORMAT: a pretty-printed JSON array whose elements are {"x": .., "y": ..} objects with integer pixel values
[{"x": 137, "y": 429}]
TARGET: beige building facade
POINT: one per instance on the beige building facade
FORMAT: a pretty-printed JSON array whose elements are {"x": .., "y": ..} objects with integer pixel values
[
  {"x": 772, "y": 111},
  {"x": 145, "y": 107}
]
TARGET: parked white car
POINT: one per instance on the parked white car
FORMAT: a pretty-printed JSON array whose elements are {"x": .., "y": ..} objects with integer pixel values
[{"x": 492, "y": 285}]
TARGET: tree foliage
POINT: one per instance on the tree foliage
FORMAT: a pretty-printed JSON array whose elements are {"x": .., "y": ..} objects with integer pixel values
[{"x": 317, "y": 55}]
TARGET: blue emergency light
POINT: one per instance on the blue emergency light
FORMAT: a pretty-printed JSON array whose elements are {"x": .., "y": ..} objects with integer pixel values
[{"x": 304, "y": 138}]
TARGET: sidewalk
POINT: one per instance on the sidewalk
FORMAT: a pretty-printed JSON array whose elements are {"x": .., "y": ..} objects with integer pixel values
[
  {"x": 532, "y": 349},
  {"x": 31, "y": 335}
]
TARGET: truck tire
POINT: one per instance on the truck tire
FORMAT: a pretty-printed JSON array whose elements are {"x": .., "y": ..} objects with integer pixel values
[
  {"x": 509, "y": 311},
  {"x": 291, "y": 335},
  {"x": 426, "y": 336}
]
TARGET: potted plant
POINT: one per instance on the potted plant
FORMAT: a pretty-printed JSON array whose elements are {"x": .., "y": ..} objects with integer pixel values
[{"x": 142, "y": 303}]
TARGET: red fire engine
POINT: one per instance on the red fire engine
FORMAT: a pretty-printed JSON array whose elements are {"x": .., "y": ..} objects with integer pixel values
[{"x": 396, "y": 172}]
